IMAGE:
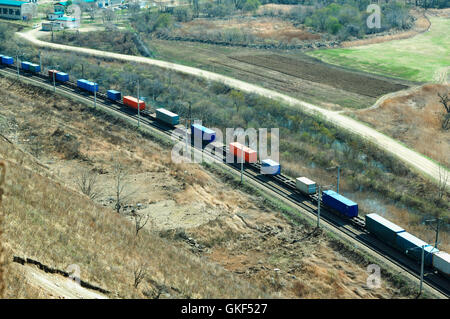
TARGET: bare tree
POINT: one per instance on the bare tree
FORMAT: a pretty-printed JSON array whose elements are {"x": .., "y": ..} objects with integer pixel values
[
  {"x": 444, "y": 100},
  {"x": 120, "y": 184},
  {"x": 139, "y": 272},
  {"x": 140, "y": 221},
  {"x": 88, "y": 184}
]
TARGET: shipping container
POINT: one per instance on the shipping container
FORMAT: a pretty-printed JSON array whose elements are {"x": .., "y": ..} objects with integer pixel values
[
  {"x": 305, "y": 185},
  {"x": 270, "y": 167},
  {"x": 167, "y": 117},
  {"x": 114, "y": 95},
  {"x": 383, "y": 228},
  {"x": 51, "y": 73},
  {"x": 36, "y": 68},
  {"x": 87, "y": 85},
  {"x": 412, "y": 247},
  {"x": 205, "y": 134},
  {"x": 340, "y": 203},
  {"x": 7, "y": 60},
  {"x": 62, "y": 77},
  {"x": 441, "y": 262},
  {"x": 133, "y": 103},
  {"x": 250, "y": 156},
  {"x": 25, "y": 65}
]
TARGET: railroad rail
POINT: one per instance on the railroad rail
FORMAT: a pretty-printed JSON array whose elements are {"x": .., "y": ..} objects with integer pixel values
[{"x": 281, "y": 185}]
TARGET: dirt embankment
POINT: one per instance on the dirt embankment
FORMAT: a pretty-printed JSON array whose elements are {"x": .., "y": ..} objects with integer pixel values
[{"x": 204, "y": 238}]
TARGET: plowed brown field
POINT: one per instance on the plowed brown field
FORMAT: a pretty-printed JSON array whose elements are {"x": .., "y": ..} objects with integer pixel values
[{"x": 321, "y": 73}]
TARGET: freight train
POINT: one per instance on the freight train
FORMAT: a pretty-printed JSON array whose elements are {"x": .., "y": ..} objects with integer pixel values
[{"x": 378, "y": 226}]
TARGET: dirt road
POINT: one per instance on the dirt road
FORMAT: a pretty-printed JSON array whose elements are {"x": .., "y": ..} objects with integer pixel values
[{"x": 414, "y": 159}]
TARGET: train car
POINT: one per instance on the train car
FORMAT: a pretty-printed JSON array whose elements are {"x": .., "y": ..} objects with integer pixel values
[
  {"x": 167, "y": 117},
  {"x": 441, "y": 262},
  {"x": 132, "y": 102},
  {"x": 207, "y": 135},
  {"x": 305, "y": 185},
  {"x": 250, "y": 156},
  {"x": 341, "y": 204},
  {"x": 25, "y": 65},
  {"x": 7, "y": 60},
  {"x": 34, "y": 68},
  {"x": 270, "y": 167},
  {"x": 383, "y": 228},
  {"x": 62, "y": 77},
  {"x": 114, "y": 95},
  {"x": 412, "y": 247},
  {"x": 87, "y": 85},
  {"x": 52, "y": 73}
]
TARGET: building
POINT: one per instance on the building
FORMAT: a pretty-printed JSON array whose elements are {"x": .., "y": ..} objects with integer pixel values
[
  {"x": 60, "y": 6},
  {"x": 55, "y": 15},
  {"x": 67, "y": 22},
  {"x": 51, "y": 26},
  {"x": 11, "y": 9}
]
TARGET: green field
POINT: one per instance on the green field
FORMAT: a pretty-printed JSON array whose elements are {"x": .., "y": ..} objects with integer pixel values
[{"x": 415, "y": 59}]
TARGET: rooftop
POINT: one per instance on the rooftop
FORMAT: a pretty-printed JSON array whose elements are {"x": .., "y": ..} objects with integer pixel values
[{"x": 12, "y": 3}]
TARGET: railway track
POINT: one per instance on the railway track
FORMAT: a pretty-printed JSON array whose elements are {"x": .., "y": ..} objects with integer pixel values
[{"x": 281, "y": 185}]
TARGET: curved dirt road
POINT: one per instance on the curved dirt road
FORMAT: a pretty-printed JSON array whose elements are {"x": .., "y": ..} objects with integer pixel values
[{"x": 414, "y": 159}]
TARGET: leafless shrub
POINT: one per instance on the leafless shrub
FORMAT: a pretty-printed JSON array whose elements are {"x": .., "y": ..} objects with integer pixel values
[
  {"x": 121, "y": 184},
  {"x": 139, "y": 272},
  {"x": 88, "y": 184},
  {"x": 140, "y": 221},
  {"x": 442, "y": 183},
  {"x": 444, "y": 99}
]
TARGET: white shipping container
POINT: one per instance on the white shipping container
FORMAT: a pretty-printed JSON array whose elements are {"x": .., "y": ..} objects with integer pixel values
[
  {"x": 441, "y": 262},
  {"x": 305, "y": 185}
]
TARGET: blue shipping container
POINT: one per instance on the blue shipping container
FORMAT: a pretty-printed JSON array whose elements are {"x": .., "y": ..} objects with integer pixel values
[
  {"x": 87, "y": 85},
  {"x": 270, "y": 167},
  {"x": 7, "y": 60},
  {"x": 383, "y": 228},
  {"x": 25, "y": 65},
  {"x": 35, "y": 67},
  {"x": 62, "y": 77},
  {"x": 207, "y": 135},
  {"x": 340, "y": 203},
  {"x": 114, "y": 95},
  {"x": 408, "y": 242}
]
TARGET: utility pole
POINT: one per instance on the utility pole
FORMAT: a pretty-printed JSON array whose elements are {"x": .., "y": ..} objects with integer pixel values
[
  {"x": 421, "y": 267},
  {"x": 242, "y": 165},
  {"x": 318, "y": 207},
  {"x": 187, "y": 155},
  {"x": 95, "y": 97},
  {"x": 338, "y": 175},
  {"x": 438, "y": 222},
  {"x": 139, "y": 111},
  {"x": 17, "y": 62},
  {"x": 54, "y": 82},
  {"x": 40, "y": 61}
]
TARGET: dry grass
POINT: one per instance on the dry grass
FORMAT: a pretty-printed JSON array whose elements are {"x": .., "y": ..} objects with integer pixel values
[{"x": 2, "y": 252}]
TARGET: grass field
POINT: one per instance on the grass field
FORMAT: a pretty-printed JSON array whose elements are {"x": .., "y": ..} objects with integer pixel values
[{"x": 415, "y": 59}]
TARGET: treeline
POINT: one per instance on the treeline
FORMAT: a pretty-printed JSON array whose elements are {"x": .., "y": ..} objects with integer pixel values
[{"x": 438, "y": 4}]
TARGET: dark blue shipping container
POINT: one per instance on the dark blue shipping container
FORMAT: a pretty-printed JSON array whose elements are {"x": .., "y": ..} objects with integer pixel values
[
  {"x": 62, "y": 77},
  {"x": 383, "y": 228},
  {"x": 340, "y": 203},
  {"x": 7, "y": 60},
  {"x": 114, "y": 95},
  {"x": 207, "y": 135},
  {"x": 408, "y": 242},
  {"x": 25, "y": 65},
  {"x": 87, "y": 85},
  {"x": 34, "y": 68}
]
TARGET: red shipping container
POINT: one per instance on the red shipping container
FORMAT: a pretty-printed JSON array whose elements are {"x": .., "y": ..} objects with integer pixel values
[
  {"x": 51, "y": 72},
  {"x": 133, "y": 103},
  {"x": 250, "y": 156}
]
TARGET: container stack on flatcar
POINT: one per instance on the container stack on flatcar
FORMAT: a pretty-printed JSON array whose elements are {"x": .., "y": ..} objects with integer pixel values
[
  {"x": 167, "y": 117},
  {"x": 87, "y": 85},
  {"x": 270, "y": 167},
  {"x": 62, "y": 77},
  {"x": 114, "y": 95},
  {"x": 25, "y": 65},
  {"x": 7, "y": 60},
  {"x": 412, "y": 247},
  {"x": 133, "y": 102},
  {"x": 35, "y": 68},
  {"x": 441, "y": 262},
  {"x": 383, "y": 228},
  {"x": 305, "y": 185},
  {"x": 239, "y": 150},
  {"x": 205, "y": 134},
  {"x": 339, "y": 203}
]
